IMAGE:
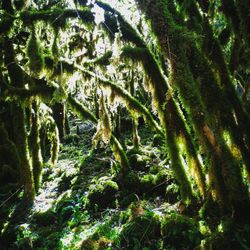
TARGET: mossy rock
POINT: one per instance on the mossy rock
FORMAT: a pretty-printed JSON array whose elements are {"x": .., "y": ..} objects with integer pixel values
[
  {"x": 155, "y": 183},
  {"x": 147, "y": 183},
  {"x": 102, "y": 194},
  {"x": 180, "y": 232},
  {"x": 139, "y": 162},
  {"x": 127, "y": 200},
  {"x": 131, "y": 181},
  {"x": 44, "y": 218},
  {"x": 141, "y": 231}
]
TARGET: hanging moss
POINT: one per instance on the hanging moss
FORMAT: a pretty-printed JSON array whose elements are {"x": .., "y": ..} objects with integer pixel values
[
  {"x": 80, "y": 110},
  {"x": 117, "y": 148},
  {"x": 53, "y": 135},
  {"x": 158, "y": 88},
  {"x": 103, "y": 130},
  {"x": 165, "y": 104},
  {"x": 132, "y": 103},
  {"x": 34, "y": 53},
  {"x": 21, "y": 142},
  {"x": 54, "y": 48},
  {"x": 35, "y": 146}
]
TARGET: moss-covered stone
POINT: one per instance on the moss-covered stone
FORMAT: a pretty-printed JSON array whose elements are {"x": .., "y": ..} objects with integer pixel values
[
  {"x": 141, "y": 231},
  {"x": 131, "y": 181},
  {"x": 44, "y": 218},
  {"x": 138, "y": 162},
  {"x": 102, "y": 194},
  {"x": 180, "y": 232}
]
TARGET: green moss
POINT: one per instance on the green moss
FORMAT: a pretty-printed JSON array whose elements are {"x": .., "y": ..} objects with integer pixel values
[
  {"x": 117, "y": 148},
  {"x": 102, "y": 194},
  {"x": 81, "y": 110},
  {"x": 20, "y": 4},
  {"x": 138, "y": 162},
  {"x": 120, "y": 155},
  {"x": 180, "y": 232},
  {"x": 34, "y": 53},
  {"x": 132, "y": 103},
  {"x": 102, "y": 60},
  {"x": 35, "y": 146},
  {"x": 9, "y": 158},
  {"x": 115, "y": 22},
  {"x": 131, "y": 181},
  {"x": 46, "y": 218},
  {"x": 57, "y": 16},
  {"x": 141, "y": 231}
]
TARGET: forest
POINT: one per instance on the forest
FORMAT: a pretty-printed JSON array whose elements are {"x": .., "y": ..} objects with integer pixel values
[{"x": 125, "y": 124}]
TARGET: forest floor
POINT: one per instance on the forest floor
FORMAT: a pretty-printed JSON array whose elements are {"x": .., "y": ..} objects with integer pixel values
[{"x": 82, "y": 204}]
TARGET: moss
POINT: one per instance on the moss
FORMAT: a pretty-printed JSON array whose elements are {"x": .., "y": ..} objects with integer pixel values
[
  {"x": 20, "y": 4},
  {"x": 43, "y": 219},
  {"x": 54, "y": 48},
  {"x": 71, "y": 138},
  {"x": 132, "y": 103},
  {"x": 126, "y": 201},
  {"x": 138, "y": 162},
  {"x": 89, "y": 244},
  {"x": 120, "y": 155},
  {"x": 131, "y": 181},
  {"x": 117, "y": 148},
  {"x": 103, "y": 131},
  {"x": 141, "y": 231},
  {"x": 34, "y": 53},
  {"x": 157, "y": 140},
  {"x": 80, "y": 109},
  {"x": 43, "y": 91},
  {"x": 35, "y": 146},
  {"x": 102, "y": 194},
  {"x": 180, "y": 232},
  {"x": 115, "y": 22},
  {"x": 57, "y": 16},
  {"x": 50, "y": 133},
  {"x": 55, "y": 145},
  {"x": 19, "y": 121},
  {"x": 172, "y": 193},
  {"x": 9, "y": 158},
  {"x": 102, "y": 60}
]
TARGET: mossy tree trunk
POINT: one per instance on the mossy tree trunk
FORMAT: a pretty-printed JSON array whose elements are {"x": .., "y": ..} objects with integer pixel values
[
  {"x": 35, "y": 145},
  {"x": 176, "y": 46},
  {"x": 60, "y": 118},
  {"x": 20, "y": 134},
  {"x": 136, "y": 138}
]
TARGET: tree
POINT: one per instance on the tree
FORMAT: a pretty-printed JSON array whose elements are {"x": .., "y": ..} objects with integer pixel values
[{"x": 191, "y": 72}]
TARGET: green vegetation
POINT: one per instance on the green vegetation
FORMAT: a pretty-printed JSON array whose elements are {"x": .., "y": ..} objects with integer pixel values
[{"x": 124, "y": 125}]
